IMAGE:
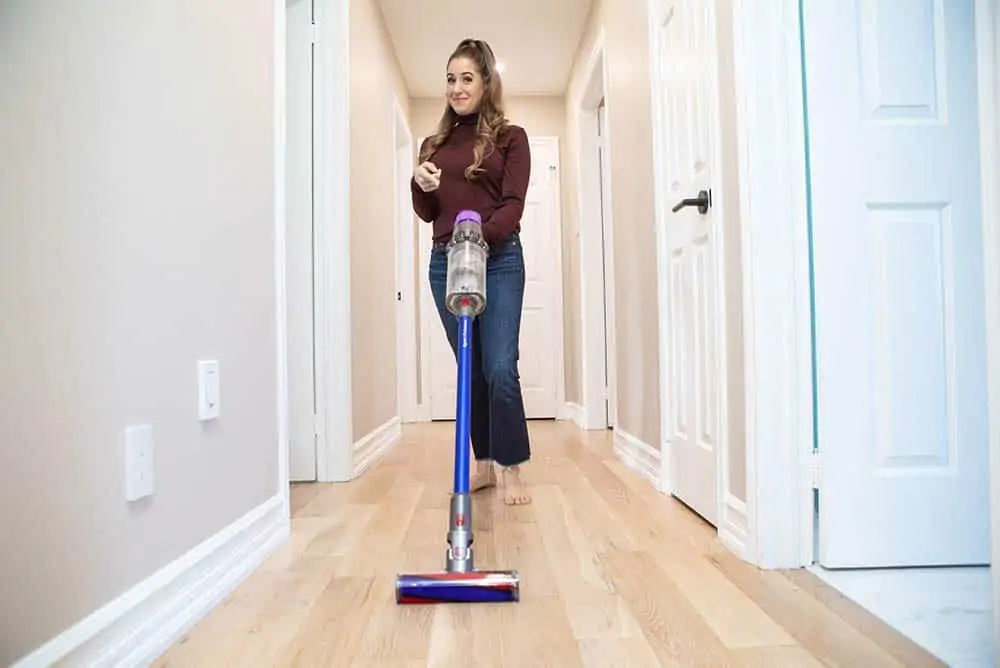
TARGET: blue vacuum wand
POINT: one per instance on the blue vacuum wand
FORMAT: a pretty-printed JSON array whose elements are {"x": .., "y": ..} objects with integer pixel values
[{"x": 460, "y": 582}]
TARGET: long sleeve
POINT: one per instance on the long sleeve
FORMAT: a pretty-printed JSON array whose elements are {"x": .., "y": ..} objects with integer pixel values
[
  {"x": 427, "y": 206},
  {"x": 516, "y": 177}
]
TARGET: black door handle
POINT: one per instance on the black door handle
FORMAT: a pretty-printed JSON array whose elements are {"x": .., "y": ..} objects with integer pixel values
[{"x": 702, "y": 201}]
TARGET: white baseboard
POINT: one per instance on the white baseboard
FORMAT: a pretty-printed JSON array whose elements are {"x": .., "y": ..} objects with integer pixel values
[
  {"x": 141, "y": 624},
  {"x": 573, "y": 413},
  {"x": 376, "y": 445},
  {"x": 638, "y": 456},
  {"x": 733, "y": 525}
]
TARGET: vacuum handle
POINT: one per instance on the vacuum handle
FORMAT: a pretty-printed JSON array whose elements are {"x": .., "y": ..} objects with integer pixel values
[{"x": 463, "y": 410}]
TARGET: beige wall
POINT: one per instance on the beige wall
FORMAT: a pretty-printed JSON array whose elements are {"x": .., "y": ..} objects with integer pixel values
[
  {"x": 629, "y": 109},
  {"x": 540, "y": 116},
  {"x": 137, "y": 237},
  {"x": 375, "y": 76},
  {"x": 630, "y": 115}
]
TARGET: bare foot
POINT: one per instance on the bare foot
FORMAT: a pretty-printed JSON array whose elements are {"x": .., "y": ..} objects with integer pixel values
[
  {"x": 485, "y": 476},
  {"x": 514, "y": 493}
]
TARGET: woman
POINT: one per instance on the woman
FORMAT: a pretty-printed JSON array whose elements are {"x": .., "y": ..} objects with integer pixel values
[{"x": 477, "y": 160}]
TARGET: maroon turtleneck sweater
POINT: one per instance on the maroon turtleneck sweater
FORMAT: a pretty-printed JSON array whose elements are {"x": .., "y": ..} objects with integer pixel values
[{"x": 497, "y": 194}]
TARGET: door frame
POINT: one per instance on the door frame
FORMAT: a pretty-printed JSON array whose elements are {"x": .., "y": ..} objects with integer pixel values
[
  {"x": 289, "y": 300},
  {"x": 428, "y": 316},
  {"x": 407, "y": 375},
  {"x": 730, "y": 511},
  {"x": 599, "y": 358},
  {"x": 280, "y": 236},
  {"x": 777, "y": 311},
  {"x": 331, "y": 150}
]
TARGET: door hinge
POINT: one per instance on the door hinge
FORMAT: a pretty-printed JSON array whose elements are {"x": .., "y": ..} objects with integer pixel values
[
  {"x": 814, "y": 468},
  {"x": 316, "y": 425},
  {"x": 315, "y": 34}
]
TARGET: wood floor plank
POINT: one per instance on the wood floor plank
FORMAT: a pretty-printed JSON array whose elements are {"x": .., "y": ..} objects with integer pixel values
[{"x": 613, "y": 573}]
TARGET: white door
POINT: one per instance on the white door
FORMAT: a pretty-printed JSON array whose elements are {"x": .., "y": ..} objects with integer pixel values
[
  {"x": 299, "y": 240},
  {"x": 689, "y": 250},
  {"x": 541, "y": 317},
  {"x": 407, "y": 333},
  {"x": 900, "y": 329}
]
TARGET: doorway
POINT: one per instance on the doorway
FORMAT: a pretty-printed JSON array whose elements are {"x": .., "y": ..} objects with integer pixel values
[
  {"x": 599, "y": 409},
  {"x": 893, "y": 148},
  {"x": 300, "y": 248}
]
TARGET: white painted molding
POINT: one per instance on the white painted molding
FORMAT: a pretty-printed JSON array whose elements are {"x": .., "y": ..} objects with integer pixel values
[
  {"x": 376, "y": 445},
  {"x": 776, "y": 311},
  {"x": 138, "y": 626},
  {"x": 733, "y": 524},
  {"x": 333, "y": 242},
  {"x": 280, "y": 236},
  {"x": 641, "y": 457},
  {"x": 573, "y": 413},
  {"x": 593, "y": 343}
]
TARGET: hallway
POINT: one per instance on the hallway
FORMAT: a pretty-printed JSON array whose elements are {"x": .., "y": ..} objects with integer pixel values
[{"x": 612, "y": 574}]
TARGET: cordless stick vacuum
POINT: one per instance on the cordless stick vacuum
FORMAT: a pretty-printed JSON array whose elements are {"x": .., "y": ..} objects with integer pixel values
[{"x": 466, "y": 299}]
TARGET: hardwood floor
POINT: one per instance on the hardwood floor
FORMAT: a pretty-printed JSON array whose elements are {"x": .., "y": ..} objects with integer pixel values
[{"x": 612, "y": 574}]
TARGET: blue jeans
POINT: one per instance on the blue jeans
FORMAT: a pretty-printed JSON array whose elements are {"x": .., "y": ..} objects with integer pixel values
[{"x": 498, "y": 424}]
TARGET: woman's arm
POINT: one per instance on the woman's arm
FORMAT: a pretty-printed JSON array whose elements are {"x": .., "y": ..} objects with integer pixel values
[
  {"x": 427, "y": 206},
  {"x": 516, "y": 177}
]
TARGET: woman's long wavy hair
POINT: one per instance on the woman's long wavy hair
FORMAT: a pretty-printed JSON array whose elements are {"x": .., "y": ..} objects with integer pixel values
[{"x": 492, "y": 120}]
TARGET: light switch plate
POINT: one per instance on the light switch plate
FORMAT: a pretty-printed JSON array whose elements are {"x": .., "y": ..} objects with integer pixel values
[
  {"x": 138, "y": 462},
  {"x": 208, "y": 390}
]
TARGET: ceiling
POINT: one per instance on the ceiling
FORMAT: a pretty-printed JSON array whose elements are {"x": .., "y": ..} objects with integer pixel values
[{"x": 536, "y": 40}]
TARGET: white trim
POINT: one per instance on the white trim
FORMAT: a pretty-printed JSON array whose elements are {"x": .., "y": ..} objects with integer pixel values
[
  {"x": 280, "y": 235},
  {"x": 594, "y": 341},
  {"x": 776, "y": 308},
  {"x": 733, "y": 524},
  {"x": 639, "y": 456},
  {"x": 608, "y": 254},
  {"x": 574, "y": 413},
  {"x": 406, "y": 313},
  {"x": 988, "y": 45},
  {"x": 376, "y": 444},
  {"x": 777, "y": 321},
  {"x": 333, "y": 243},
  {"x": 141, "y": 624}
]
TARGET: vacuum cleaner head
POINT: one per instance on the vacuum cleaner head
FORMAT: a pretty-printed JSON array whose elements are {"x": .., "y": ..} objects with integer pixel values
[{"x": 473, "y": 587}]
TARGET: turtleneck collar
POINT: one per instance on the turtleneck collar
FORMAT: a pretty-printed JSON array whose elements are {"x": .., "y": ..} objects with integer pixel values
[{"x": 468, "y": 119}]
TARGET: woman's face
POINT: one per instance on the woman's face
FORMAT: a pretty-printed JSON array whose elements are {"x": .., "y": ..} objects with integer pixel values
[{"x": 465, "y": 86}]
